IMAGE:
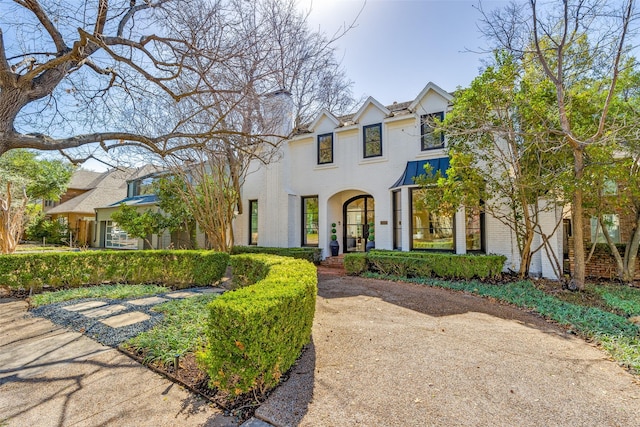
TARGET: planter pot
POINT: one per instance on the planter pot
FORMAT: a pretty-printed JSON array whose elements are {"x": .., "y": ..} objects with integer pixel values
[
  {"x": 335, "y": 247},
  {"x": 370, "y": 245}
]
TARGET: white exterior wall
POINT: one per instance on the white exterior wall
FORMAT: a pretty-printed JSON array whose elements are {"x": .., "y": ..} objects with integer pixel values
[{"x": 280, "y": 186}]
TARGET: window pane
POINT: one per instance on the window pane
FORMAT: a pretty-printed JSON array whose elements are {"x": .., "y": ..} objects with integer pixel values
[
  {"x": 310, "y": 221},
  {"x": 612, "y": 222},
  {"x": 430, "y": 230},
  {"x": 430, "y": 139},
  {"x": 373, "y": 140},
  {"x": 325, "y": 148},
  {"x": 473, "y": 229},
  {"x": 253, "y": 226},
  {"x": 397, "y": 220}
]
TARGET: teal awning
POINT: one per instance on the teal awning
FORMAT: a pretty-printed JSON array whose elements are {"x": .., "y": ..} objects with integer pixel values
[{"x": 415, "y": 168}]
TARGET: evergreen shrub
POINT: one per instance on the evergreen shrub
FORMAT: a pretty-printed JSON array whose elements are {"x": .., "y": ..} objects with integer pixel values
[
  {"x": 256, "y": 333},
  {"x": 430, "y": 264},
  {"x": 313, "y": 255},
  {"x": 72, "y": 269}
]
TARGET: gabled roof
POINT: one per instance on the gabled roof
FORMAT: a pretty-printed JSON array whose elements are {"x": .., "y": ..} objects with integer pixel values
[
  {"x": 107, "y": 187},
  {"x": 430, "y": 86},
  {"x": 370, "y": 101},
  {"x": 84, "y": 179},
  {"x": 324, "y": 113}
]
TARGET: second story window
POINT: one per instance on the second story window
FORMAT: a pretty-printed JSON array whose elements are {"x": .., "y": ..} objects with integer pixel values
[
  {"x": 372, "y": 135},
  {"x": 325, "y": 148},
  {"x": 430, "y": 139}
]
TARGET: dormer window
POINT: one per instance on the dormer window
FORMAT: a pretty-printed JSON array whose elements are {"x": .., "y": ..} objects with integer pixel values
[
  {"x": 325, "y": 148},
  {"x": 429, "y": 139},
  {"x": 372, "y": 138}
]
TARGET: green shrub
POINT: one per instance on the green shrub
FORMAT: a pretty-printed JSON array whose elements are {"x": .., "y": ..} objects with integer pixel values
[
  {"x": 257, "y": 332},
  {"x": 72, "y": 269},
  {"x": 313, "y": 255},
  {"x": 426, "y": 264},
  {"x": 355, "y": 263}
]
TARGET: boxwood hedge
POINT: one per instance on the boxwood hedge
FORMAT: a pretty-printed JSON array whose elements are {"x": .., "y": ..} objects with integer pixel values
[
  {"x": 71, "y": 269},
  {"x": 313, "y": 255},
  {"x": 257, "y": 332},
  {"x": 425, "y": 264}
]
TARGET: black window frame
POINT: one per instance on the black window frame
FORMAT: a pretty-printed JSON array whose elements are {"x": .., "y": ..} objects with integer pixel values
[
  {"x": 320, "y": 150},
  {"x": 251, "y": 219},
  {"x": 304, "y": 221},
  {"x": 482, "y": 230},
  {"x": 427, "y": 131},
  {"x": 454, "y": 229},
  {"x": 364, "y": 140}
]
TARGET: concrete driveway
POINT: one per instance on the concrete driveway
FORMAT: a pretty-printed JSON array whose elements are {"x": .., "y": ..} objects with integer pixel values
[{"x": 398, "y": 354}]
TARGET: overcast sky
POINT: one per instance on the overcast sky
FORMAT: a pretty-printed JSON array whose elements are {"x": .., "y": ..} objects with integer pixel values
[{"x": 398, "y": 46}]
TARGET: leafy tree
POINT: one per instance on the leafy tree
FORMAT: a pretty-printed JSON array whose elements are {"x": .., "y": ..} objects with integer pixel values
[
  {"x": 139, "y": 224},
  {"x": 579, "y": 47},
  {"x": 499, "y": 161},
  {"x": 24, "y": 177}
]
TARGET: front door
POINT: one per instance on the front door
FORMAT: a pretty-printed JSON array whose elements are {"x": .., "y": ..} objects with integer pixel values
[{"x": 358, "y": 213}]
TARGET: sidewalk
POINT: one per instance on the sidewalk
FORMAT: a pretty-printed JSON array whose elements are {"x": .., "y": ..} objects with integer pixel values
[{"x": 50, "y": 376}]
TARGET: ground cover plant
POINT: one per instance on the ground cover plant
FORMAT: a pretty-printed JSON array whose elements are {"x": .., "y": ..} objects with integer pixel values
[
  {"x": 180, "y": 332},
  {"x": 601, "y": 313},
  {"x": 117, "y": 291}
]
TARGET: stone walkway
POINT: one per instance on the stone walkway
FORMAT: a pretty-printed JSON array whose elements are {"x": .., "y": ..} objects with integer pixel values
[{"x": 112, "y": 322}]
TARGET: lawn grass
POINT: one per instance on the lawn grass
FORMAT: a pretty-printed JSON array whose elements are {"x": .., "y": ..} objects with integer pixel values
[
  {"x": 614, "y": 332},
  {"x": 181, "y": 331},
  {"x": 102, "y": 291}
]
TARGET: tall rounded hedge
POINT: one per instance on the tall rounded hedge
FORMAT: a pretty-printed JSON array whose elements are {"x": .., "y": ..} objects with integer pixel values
[{"x": 178, "y": 268}]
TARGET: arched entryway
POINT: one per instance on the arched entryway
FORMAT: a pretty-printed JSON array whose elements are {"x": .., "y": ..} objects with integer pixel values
[{"x": 357, "y": 213}]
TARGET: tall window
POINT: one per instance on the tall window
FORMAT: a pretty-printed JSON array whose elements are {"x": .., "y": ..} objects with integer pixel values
[
  {"x": 397, "y": 220},
  {"x": 372, "y": 135},
  {"x": 253, "y": 222},
  {"x": 474, "y": 223},
  {"x": 428, "y": 137},
  {"x": 429, "y": 230},
  {"x": 117, "y": 238},
  {"x": 310, "y": 221},
  {"x": 325, "y": 148},
  {"x": 612, "y": 222}
]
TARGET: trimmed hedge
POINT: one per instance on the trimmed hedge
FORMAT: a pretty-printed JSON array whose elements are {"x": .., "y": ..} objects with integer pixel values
[
  {"x": 256, "y": 333},
  {"x": 313, "y": 255},
  {"x": 72, "y": 269},
  {"x": 425, "y": 264}
]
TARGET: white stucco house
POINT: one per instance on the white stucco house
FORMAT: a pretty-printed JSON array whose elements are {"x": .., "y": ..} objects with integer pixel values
[{"x": 358, "y": 169}]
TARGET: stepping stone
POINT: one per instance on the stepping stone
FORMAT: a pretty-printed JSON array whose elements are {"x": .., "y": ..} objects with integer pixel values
[
  {"x": 85, "y": 306},
  {"x": 148, "y": 301},
  {"x": 125, "y": 319},
  {"x": 211, "y": 291},
  {"x": 104, "y": 311},
  {"x": 181, "y": 294}
]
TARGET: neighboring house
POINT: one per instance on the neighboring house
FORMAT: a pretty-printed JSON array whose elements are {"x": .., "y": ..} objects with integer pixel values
[
  {"x": 620, "y": 222},
  {"x": 86, "y": 191},
  {"x": 137, "y": 192},
  {"x": 358, "y": 169}
]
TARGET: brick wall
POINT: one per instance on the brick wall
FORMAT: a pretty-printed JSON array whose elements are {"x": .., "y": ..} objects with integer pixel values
[{"x": 602, "y": 265}]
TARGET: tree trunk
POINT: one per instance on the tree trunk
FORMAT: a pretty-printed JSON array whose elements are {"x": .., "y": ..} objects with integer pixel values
[{"x": 577, "y": 217}]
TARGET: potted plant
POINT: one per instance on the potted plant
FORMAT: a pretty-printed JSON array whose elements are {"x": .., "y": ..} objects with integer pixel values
[
  {"x": 371, "y": 239},
  {"x": 334, "y": 245}
]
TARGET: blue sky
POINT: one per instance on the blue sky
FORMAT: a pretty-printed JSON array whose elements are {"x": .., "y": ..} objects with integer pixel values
[{"x": 398, "y": 46}]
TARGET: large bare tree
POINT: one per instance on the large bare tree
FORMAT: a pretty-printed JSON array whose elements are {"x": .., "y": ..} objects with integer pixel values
[
  {"x": 111, "y": 72},
  {"x": 287, "y": 73}
]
